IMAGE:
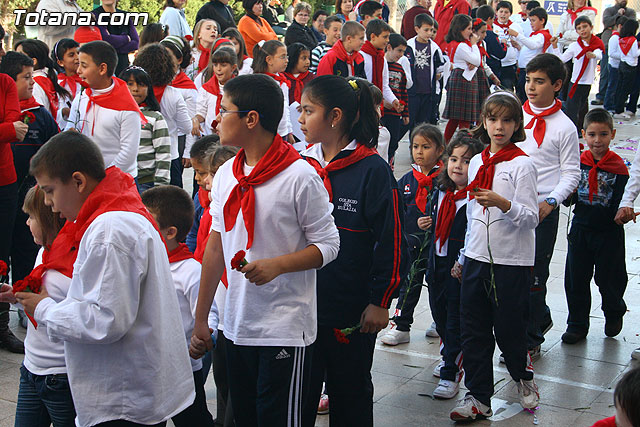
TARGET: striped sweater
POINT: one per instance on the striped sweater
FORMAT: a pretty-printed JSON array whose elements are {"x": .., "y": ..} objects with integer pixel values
[
  {"x": 316, "y": 55},
  {"x": 154, "y": 153}
]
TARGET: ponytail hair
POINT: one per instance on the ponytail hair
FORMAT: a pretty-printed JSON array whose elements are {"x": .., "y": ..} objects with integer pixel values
[
  {"x": 38, "y": 50},
  {"x": 260, "y": 53},
  {"x": 472, "y": 146},
  {"x": 142, "y": 78},
  {"x": 458, "y": 24},
  {"x": 353, "y": 97},
  {"x": 59, "y": 49}
]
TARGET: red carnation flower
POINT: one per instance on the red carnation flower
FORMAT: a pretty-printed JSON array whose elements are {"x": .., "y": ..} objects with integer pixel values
[
  {"x": 188, "y": 37},
  {"x": 28, "y": 117},
  {"x": 3, "y": 268},
  {"x": 28, "y": 284},
  {"x": 238, "y": 261},
  {"x": 340, "y": 336}
]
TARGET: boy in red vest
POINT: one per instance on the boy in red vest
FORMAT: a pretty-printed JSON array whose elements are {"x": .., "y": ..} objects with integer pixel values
[
  {"x": 585, "y": 52},
  {"x": 344, "y": 58},
  {"x": 106, "y": 111},
  {"x": 121, "y": 313},
  {"x": 595, "y": 239}
]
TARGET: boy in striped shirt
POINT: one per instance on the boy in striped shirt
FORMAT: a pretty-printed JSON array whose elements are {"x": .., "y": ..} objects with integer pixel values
[
  {"x": 396, "y": 122},
  {"x": 332, "y": 27},
  {"x": 154, "y": 152}
]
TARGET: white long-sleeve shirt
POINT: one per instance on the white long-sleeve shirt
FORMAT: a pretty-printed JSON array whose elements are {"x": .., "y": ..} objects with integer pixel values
[
  {"x": 590, "y": 72},
  {"x": 176, "y": 114},
  {"x": 557, "y": 160},
  {"x": 511, "y": 234},
  {"x": 116, "y": 132},
  {"x": 511, "y": 56},
  {"x": 614, "y": 51},
  {"x": 41, "y": 355},
  {"x": 466, "y": 55},
  {"x": 531, "y": 47},
  {"x": 632, "y": 189},
  {"x": 631, "y": 57},
  {"x": 292, "y": 212},
  {"x": 387, "y": 93},
  {"x": 406, "y": 65},
  {"x": 38, "y": 92},
  {"x": 568, "y": 29},
  {"x": 284, "y": 127},
  {"x": 120, "y": 323},
  {"x": 190, "y": 97},
  {"x": 206, "y": 108}
]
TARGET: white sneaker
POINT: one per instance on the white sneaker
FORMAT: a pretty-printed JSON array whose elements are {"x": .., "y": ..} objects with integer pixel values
[
  {"x": 431, "y": 331},
  {"x": 395, "y": 337},
  {"x": 622, "y": 116},
  {"x": 446, "y": 389},
  {"x": 436, "y": 370},
  {"x": 528, "y": 392},
  {"x": 469, "y": 409},
  {"x": 630, "y": 113},
  {"x": 635, "y": 354}
]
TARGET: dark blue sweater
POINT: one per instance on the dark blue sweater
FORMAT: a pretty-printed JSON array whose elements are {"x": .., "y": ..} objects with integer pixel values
[{"x": 373, "y": 256}]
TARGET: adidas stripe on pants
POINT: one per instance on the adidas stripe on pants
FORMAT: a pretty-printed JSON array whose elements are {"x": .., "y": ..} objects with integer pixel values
[{"x": 267, "y": 384}]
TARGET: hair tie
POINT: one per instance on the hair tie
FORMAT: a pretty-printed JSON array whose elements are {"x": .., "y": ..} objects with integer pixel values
[
  {"x": 220, "y": 41},
  {"x": 477, "y": 22},
  {"x": 55, "y": 50},
  {"x": 503, "y": 92},
  {"x": 354, "y": 85},
  {"x": 174, "y": 40},
  {"x": 261, "y": 43},
  {"x": 136, "y": 68}
]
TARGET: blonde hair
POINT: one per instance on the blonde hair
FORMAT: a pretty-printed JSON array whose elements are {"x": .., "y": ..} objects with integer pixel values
[
  {"x": 49, "y": 221},
  {"x": 196, "y": 30}
]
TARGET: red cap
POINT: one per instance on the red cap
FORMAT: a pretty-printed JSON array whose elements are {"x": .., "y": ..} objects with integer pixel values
[{"x": 87, "y": 34}]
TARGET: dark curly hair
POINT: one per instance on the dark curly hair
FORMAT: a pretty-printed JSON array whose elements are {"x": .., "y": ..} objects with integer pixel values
[
  {"x": 462, "y": 138},
  {"x": 157, "y": 62}
]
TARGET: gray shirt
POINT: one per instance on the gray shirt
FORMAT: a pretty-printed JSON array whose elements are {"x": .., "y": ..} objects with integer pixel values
[{"x": 609, "y": 15}]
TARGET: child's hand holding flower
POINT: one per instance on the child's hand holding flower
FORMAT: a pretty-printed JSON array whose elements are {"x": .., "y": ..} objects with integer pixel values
[
  {"x": 488, "y": 199},
  {"x": 262, "y": 271},
  {"x": 424, "y": 222},
  {"x": 30, "y": 300}
]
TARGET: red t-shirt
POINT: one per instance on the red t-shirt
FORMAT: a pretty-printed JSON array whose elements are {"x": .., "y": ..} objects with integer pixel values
[
  {"x": 607, "y": 422},
  {"x": 9, "y": 113}
]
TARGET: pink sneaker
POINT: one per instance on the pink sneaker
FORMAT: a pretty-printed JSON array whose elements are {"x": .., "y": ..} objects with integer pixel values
[{"x": 323, "y": 405}]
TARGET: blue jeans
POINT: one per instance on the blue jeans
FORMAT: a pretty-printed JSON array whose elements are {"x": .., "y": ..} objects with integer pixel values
[
  {"x": 43, "y": 400},
  {"x": 610, "y": 97}
]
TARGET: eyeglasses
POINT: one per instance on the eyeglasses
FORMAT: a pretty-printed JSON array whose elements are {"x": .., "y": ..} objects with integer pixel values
[
  {"x": 523, "y": 2},
  {"x": 222, "y": 111}
]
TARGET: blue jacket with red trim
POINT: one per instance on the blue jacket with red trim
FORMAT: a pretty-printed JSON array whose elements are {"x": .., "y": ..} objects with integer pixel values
[{"x": 373, "y": 258}]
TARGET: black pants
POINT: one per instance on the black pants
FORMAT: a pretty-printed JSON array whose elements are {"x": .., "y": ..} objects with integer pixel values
[
  {"x": 604, "y": 75},
  {"x": 268, "y": 384},
  {"x": 566, "y": 84},
  {"x": 577, "y": 105},
  {"x": 395, "y": 128},
  {"x": 23, "y": 249},
  {"x": 605, "y": 251},
  {"x": 409, "y": 296},
  {"x": 522, "y": 79},
  {"x": 627, "y": 77},
  {"x": 224, "y": 412},
  {"x": 422, "y": 108},
  {"x": 348, "y": 376},
  {"x": 508, "y": 77},
  {"x": 8, "y": 207},
  {"x": 635, "y": 93},
  {"x": 197, "y": 414},
  {"x": 546, "y": 233},
  {"x": 482, "y": 318},
  {"x": 444, "y": 300}
]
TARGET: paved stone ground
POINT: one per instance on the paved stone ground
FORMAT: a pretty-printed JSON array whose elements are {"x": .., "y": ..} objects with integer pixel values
[{"x": 576, "y": 382}]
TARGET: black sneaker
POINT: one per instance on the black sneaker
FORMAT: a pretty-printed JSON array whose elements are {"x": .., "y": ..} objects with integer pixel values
[
  {"x": 597, "y": 102},
  {"x": 570, "y": 337},
  {"x": 547, "y": 327},
  {"x": 612, "y": 327}
]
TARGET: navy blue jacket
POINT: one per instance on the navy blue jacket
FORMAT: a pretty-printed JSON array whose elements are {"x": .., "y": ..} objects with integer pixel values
[
  {"x": 40, "y": 130},
  {"x": 496, "y": 51},
  {"x": 192, "y": 237},
  {"x": 456, "y": 237},
  {"x": 373, "y": 257}
]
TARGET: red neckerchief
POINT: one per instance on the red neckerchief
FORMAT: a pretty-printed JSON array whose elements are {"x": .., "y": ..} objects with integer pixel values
[
  {"x": 27, "y": 104},
  {"x": 119, "y": 99},
  {"x": 181, "y": 81},
  {"x": 484, "y": 176},
  {"x": 594, "y": 44},
  {"x": 483, "y": 50},
  {"x": 298, "y": 84},
  {"x": 523, "y": 15},
  {"x": 574, "y": 14},
  {"x": 447, "y": 213},
  {"x": 343, "y": 56},
  {"x": 610, "y": 162},
  {"x": 52, "y": 96},
  {"x": 547, "y": 38},
  {"x": 625, "y": 44},
  {"x": 205, "y": 54},
  {"x": 615, "y": 33},
  {"x": 180, "y": 253},
  {"x": 355, "y": 156},
  {"x": 70, "y": 82},
  {"x": 213, "y": 87},
  {"x": 158, "y": 91},
  {"x": 281, "y": 79},
  {"x": 503, "y": 26},
  {"x": 453, "y": 46},
  {"x": 425, "y": 185},
  {"x": 205, "y": 225},
  {"x": 277, "y": 158},
  {"x": 377, "y": 63},
  {"x": 541, "y": 126}
]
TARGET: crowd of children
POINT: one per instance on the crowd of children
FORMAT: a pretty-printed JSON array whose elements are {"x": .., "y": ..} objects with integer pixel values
[{"x": 282, "y": 265}]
